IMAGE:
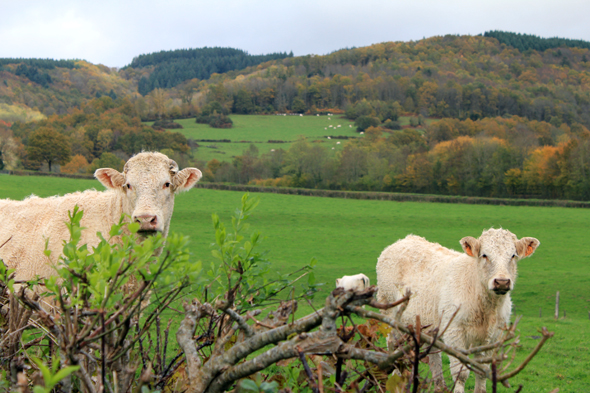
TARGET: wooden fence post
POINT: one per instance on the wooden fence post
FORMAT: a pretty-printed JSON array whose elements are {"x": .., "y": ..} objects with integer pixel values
[{"x": 557, "y": 305}]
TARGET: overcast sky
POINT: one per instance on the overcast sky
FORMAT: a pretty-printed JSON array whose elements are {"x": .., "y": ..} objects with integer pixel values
[{"x": 114, "y": 32}]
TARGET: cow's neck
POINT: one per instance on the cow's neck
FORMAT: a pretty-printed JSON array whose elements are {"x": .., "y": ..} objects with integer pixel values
[{"x": 491, "y": 300}]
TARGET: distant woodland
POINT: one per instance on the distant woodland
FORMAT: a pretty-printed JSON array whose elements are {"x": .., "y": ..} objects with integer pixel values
[
  {"x": 501, "y": 114},
  {"x": 174, "y": 67}
]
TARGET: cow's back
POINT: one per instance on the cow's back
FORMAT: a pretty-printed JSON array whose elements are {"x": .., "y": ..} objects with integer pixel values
[
  {"x": 28, "y": 224},
  {"x": 419, "y": 265}
]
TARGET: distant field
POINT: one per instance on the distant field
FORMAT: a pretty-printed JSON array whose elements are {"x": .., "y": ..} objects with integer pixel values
[
  {"x": 347, "y": 236},
  {"x": 259, "y": 129}
]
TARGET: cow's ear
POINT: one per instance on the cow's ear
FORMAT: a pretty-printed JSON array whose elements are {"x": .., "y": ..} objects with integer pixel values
[
  {"x": 526, "y": 246},
  {"x": 470, "y": 246},
  {"x": 110, "y": 178},
  {"x": 186, "y": 179},
  {"x": 337, "y": 282}
]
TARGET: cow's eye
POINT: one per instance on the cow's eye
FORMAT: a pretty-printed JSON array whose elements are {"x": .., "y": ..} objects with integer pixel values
[
  {"x": 484, "y": 256},
  {"x": 128, "y": 186},
  {"x": 167, "y": 184},
  {"x": 513, "y": 256}
]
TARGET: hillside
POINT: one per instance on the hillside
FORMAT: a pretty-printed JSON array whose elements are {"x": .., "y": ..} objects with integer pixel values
[
  {"x": 459, "y": 115},
  {"x": 171, "y": 68},
  {"x": 36, "y": 88},
  {"x": 451, "y": 76}
]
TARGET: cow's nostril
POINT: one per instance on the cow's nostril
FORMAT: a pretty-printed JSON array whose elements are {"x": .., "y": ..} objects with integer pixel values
[{"x": 154, "y": 220}]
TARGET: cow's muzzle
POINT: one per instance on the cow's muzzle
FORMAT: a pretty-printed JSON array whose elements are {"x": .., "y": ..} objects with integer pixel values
[
  {"x": 501, "y": 286},
  {"x": 148, "y": 224}
]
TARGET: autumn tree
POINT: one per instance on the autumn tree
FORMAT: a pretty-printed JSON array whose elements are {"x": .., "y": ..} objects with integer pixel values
[
  {"x": 77, "y": 164},
  {"x": 48, "y": 145},
  {"x": 158, "y": 102}
]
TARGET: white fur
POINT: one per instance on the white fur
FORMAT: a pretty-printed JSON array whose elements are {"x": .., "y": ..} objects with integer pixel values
[
  {"x": 358, "y": 282},
  {"x": 443, "y": 280},
  {"x": 27, "y": 224}
]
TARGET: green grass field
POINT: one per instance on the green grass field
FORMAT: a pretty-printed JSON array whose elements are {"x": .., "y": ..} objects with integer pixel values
[
  {"x": 347, "y": 236},
  {"x": 259, "y": 129}
]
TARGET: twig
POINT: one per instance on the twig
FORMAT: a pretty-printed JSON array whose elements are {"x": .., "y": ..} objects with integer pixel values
[
  {"x": 386, "y": 306},
  {"x": 240, "y": 321},
  {"x": 546, "y": 336},
  {"x": 311, "y": 379}
]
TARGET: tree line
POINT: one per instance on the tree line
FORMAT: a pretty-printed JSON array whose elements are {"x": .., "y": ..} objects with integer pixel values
[
  {"x": 177, "y": 66},
  {"x": 492, "y": 157},
  {"x": 47, "y": 64},
  {"x": 101, "y": 133},
  {"x": 524, "y": 42}
]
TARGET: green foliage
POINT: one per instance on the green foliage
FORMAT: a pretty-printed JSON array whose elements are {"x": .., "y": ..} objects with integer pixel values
[
  {"x": 244, "y": 273},
  {"x": 106, "y": 160},
  {"x": 47, "y": 64},
  {"x": 95, "y": 277},
  {"x": 32, "y": 73},
  {"x": 364, "y": 122},
  {"x": 219, "y": 120},
  {"x": 5, "y": 276},
  {"x": 174, "y": 67},
  {"x": 524, "y": 42},
  {"x": 257, "y": 385},
  {"x": 52, "y": 376},
  {"x": 48, "y": 145}
]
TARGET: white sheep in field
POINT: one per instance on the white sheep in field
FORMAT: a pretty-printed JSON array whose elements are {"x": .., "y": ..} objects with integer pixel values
[
  {"x": 358, "y": 282},
  {"x": 476, "y": 282}
]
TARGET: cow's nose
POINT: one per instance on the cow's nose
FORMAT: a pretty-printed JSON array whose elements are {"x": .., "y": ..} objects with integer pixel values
[
  {"x": 502, "y": 284},
  {"x": 147, "y": 222}
]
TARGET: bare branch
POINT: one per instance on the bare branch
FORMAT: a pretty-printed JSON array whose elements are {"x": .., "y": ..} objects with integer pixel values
[{"x": 546, "y": 336}]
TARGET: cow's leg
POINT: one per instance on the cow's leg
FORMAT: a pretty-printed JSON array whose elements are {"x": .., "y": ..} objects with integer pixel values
[
  {"x": 435, "y": 362},
  {"x": 480, "y": 381},
  {"x": 460, "y": 374}
]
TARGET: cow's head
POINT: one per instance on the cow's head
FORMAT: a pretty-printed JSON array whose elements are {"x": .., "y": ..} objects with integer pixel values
[
  {"x": 148, "y": 184},
  {"x": 496, "y": 252}
]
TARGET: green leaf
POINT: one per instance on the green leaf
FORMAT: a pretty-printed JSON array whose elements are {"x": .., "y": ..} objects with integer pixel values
[
  {"x": 64, "y": 372},
  {"x": 248, "y": 385}
]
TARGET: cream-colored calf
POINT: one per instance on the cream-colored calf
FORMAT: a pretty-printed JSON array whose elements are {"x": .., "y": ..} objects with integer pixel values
[
  {"x": 477, "y": 282},
  {"x": 144, "y": 191}
]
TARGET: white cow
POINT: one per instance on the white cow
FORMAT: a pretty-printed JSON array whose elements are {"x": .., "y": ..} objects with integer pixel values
[
  {"x": 476, "y": 282},
  {"x": 144, "y": 191},
  {"x": 358, "y": 282}
]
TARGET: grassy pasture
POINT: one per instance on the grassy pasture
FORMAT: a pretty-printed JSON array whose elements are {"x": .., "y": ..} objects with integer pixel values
[
  {"x": 259, "y": 129},
  {"x": 347, "y": 236}
]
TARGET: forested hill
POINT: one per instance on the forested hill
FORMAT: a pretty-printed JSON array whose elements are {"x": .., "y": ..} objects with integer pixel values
[
  {"x": 524, "y": 42},
  {"x": 33, "y": 88},
  {"x": 177, "y": 66},
  {"x": 451, "y": 76}
]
